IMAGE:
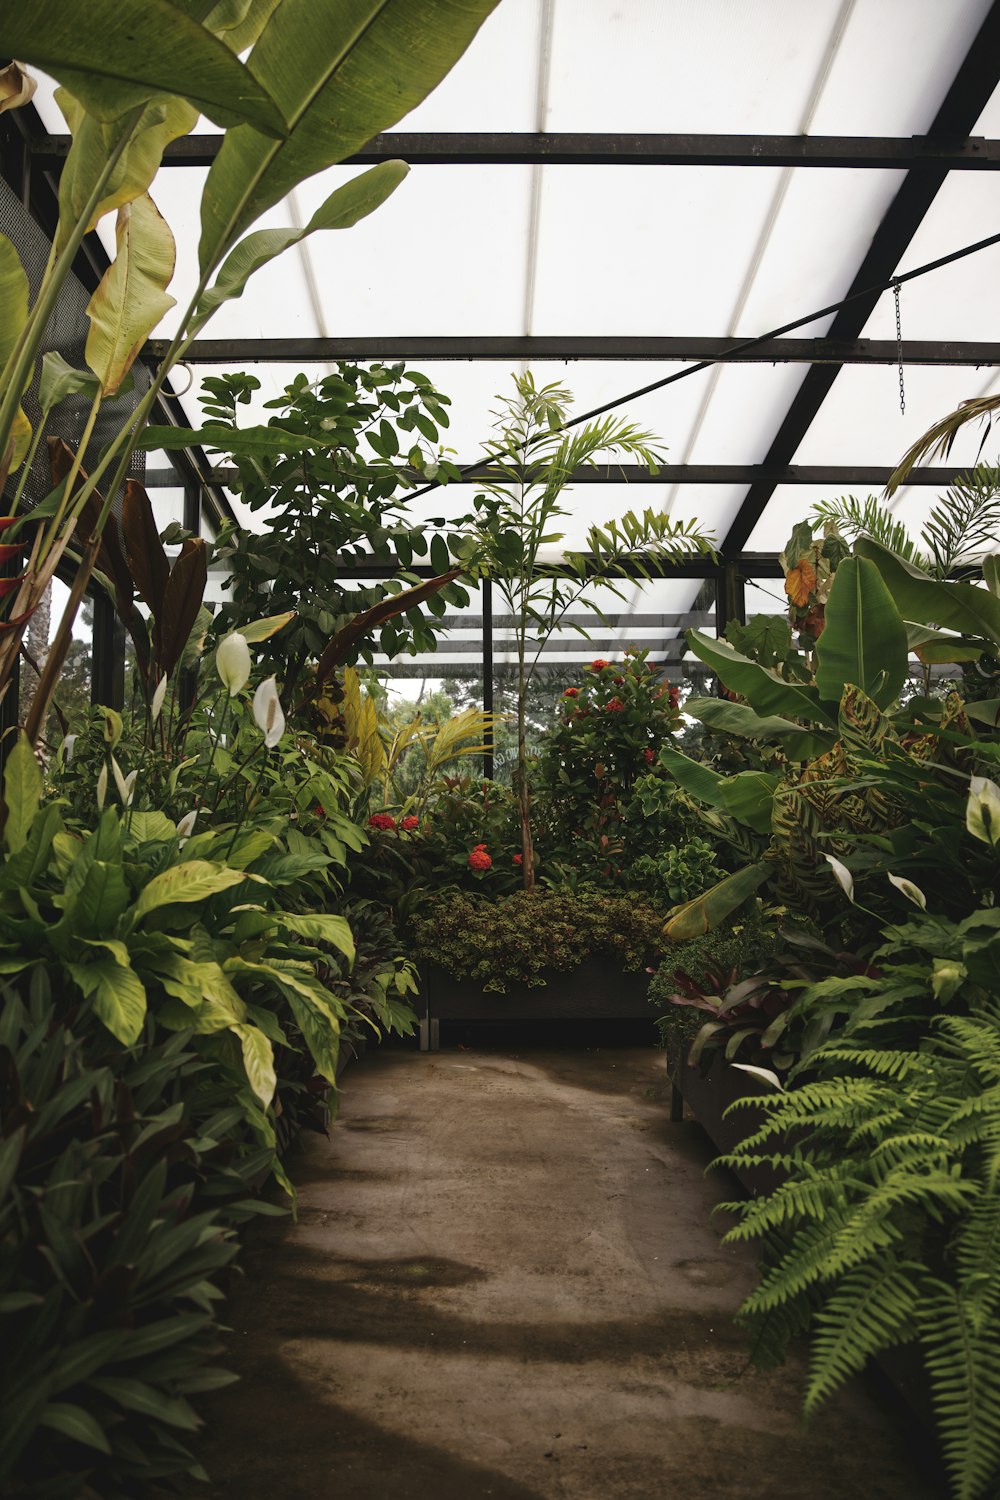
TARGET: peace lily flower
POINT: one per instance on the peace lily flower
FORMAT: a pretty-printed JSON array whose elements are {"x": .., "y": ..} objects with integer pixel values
[
  {"x": 946, "y": 977},
  {"x": 125, "y": 784},
  {"x": 185, "y": 827},
  {"x": 842, "y": 874},
  {"x": 982, "y": 811},
  {"x": 267, "y": 712},
  {"x": 102, "y": 787},
  {"x": 67, "y": 748},
  {"x": 232, "y": 662},
  {"x": 910, "y": 891},
  {"x": 157, "y": 704}
]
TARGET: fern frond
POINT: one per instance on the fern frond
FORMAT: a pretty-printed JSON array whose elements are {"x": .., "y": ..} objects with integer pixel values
[
  {"x": 964, "y": 1365},
  {"x": 872, "y": 1308}
]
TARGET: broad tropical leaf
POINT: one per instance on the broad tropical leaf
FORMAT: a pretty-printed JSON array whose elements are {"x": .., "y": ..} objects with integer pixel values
[
  {"x": 195, "y": 880},
  {"x": 113, "y": 57},
  {"x": 956, "y": 606},
  {"x": 340, "y": 73},
  {"x": 182, "y": 600},
  {"x": 706, "y": 911},
  {"x": 258, "y": 1059},
  {"x": 22, "y": 791},
  {"x": 764, "y": 690},
  {"x": 147, "y": 558},
  {"x": 262, "y": 630},
  {"x": 738, "y": 719},
  {"x": 117, "y": 993},
  {"x": 13, "y": 316},
  {"x": 344, "y": 207},
  {"x": 747, "y": 796},
  {"x": 323, "y": 927},
  {"x": 59, "y": 380},
  {"x": 131, "y": 298},
  {"x": 347, "y": 638},
  {"x": 864, "y": 641}
]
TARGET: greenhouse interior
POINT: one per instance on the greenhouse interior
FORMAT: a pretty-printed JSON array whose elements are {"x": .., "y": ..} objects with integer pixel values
[{"x": 500, "y": 749}]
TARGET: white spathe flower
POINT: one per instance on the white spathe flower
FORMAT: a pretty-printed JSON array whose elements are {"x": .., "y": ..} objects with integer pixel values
[
  {"x": 67, "y": 748},
  {"x": 102, "y": 787},
  {"x": 232, "y": 662},
  {"x": 910, "y": 891},
  {"x": 129, "y": 788},
  {"x": 267, "y": 712},
  {"x": 185, "y": 827},
  {"x": 843, "y": 876},
  {"x": 155, "y": 708},
  {"x": 982, "y": 811}
]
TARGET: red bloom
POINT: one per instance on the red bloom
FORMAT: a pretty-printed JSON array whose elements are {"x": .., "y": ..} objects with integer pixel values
[
  {"x": 675, "y": 697},
  {"x": 479, "y": 859},
  {"x": 599, "y": 664},
  {"x": 384, "y": 821},
  {"x": 614, "y": 706},
  {"x": 519, "y": 859},
  {"x": 571, "y": 693},
  {"x": 410, "y": 823},
  {"x": 618, "y": 681},
  {"x": 648, "y": 756}
]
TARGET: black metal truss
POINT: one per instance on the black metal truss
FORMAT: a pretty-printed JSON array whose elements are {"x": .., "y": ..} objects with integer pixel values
[
  {"x": 839, "y": 476},
  {"x": 970, "y": 92},
  {"x": 669, "y": 349},
  {"x": 931, "y": 153}
]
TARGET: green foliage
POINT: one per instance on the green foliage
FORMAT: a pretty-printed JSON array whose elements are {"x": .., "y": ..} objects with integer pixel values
[
  {"x": 520, "y": 939},
  {"x": 123, "y": 1178},
  {"x": 886, "y": 1227}
]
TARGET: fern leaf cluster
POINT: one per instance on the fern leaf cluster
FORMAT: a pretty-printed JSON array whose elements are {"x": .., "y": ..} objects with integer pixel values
[{"x": 887, "y": 1227}]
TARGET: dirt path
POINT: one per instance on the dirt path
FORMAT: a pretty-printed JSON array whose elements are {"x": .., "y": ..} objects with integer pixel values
[{"x": 505, "y": 1282}]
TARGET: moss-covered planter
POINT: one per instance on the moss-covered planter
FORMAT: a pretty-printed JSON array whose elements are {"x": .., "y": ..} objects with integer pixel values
[{"x": 596, "y": 991}]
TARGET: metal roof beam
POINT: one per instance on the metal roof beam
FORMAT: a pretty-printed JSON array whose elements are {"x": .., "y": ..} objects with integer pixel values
[
  {"x": 930, "y": 153},
  {"x": 669, "y": 349},
  {"x": 970, "y": 92},
  {"x": 840, "y": 476}
]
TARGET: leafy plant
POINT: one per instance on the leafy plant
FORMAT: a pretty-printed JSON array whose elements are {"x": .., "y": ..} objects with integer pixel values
[
  {"x": 886, "y": 1226},
  {"x": 530, "y": 464}
]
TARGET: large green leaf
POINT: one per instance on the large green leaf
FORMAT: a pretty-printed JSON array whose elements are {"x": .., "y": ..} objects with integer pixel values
[
  {"x": 340, "y": 71},
  {"x": 765, "y": 691},
  {"x": 864, "y": 640},
  {"x": 75, "y": 1422},
  {"x": 114, "y": 56},
  {"x": 14, "y": 296},
  {"x": 22, "y": 791},
  {"x": 162, "y": 121},
  {"x": 322, "y": 927},
  {"x": 956, "y": 606},
  {"x": 706, "y": 911},
  {"x": 738, "y": 719},
  {"x": 58, "y": 381},
  {"x": 747, "y": 796},
  {"x": 344, "y": 207},
  {"x": 117, "y": 993},
  {"x": 255, "y": 442},
  {"x": 131, "y": 298},
  {"x": 195, "y": 880},
  {"x": 102, "y": 898},
  {"x": 258, "y": 1059}
]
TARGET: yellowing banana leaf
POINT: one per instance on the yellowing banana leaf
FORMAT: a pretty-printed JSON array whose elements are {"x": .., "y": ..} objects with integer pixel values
[
  {"x": 164, "y": 120},
  {"x": 130, "y": 300},
  {"x": 114, "y": 56},
  {"x": 340, "y": 74},
  {"x": 13, "y": 316},
  {"x": 344, "y": 207},
  {"x": 765, "y": 691},
  {"x": 864, "y": 640},
  {"x": 706, "y": 911},
  {"x": 262, "y": 630}
]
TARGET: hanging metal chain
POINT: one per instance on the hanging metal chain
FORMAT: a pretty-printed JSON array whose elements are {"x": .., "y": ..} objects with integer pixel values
[{"x": 899, "y": 350}]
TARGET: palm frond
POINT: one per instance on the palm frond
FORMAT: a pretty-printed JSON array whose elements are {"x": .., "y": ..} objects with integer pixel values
[
  {"x": 869, "y": 517},
  {"x": 938, "y": 440}
]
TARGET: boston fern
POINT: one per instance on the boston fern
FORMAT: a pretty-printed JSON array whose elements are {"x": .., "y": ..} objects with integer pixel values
[{"x": 887, "y": 1227}]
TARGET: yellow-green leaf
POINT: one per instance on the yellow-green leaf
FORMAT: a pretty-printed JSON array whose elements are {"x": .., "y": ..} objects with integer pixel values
[
  {"x": 131, "y": 299},
  {"x": 22, "y": 791},
  {"x": 258, "y": 1059},
  {"x": 262, "y": 630},
  {"x": 163, "y": 120},
  {"x": 13, "y": 316},
  {"x": 195, "y": 880},
  {"x": 118, "y": 995},
  {"x": 322, "y": 927}
]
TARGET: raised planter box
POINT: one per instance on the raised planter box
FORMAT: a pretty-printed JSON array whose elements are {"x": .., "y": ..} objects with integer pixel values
[{"x": 596, "y": 991}]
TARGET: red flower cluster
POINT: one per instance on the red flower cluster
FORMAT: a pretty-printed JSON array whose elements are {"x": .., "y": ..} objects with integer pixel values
[
  {"x": 384, "y": 821},
  {"x": 613, "y": 706},
  {"x": 519, "y": 859},
  {"x": 675, "y": 697},
  {"x": 571, "y": 693},
  {"x": 410, "y": 823},
  {"x": 479, "y": 859},
  {"x": 648, "y": 756},
  {"x": 599, "y": 664}
]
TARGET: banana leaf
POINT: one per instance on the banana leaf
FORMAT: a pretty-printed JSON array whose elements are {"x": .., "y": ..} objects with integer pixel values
[{"x": 864, "y": 640}]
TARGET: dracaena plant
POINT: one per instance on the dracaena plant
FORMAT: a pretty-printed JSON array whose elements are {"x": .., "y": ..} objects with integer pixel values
[{"x": 298, "y": 85}]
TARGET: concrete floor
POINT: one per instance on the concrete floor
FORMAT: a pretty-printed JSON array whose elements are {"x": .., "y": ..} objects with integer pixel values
[{"x": 505, "y": 1282}]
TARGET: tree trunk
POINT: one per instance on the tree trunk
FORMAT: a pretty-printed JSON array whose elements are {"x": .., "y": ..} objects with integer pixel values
[
  {"x": 36, "y": 643},
  {"x": 523, "y": 789}
]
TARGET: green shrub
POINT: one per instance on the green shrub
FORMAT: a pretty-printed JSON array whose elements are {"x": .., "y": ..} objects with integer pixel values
[
  {"x": 123, "y": 1176},
  {"x": 522, "y": 938}
]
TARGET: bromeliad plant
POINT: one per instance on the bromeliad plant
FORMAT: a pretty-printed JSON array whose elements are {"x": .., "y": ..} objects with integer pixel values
[{"x": 298, "y": 85}]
